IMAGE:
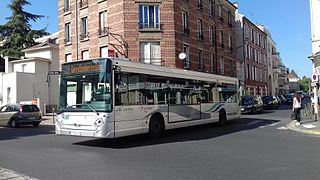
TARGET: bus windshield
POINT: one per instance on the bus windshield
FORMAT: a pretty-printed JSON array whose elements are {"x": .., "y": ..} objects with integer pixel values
[{"x": 87, "y": 88}]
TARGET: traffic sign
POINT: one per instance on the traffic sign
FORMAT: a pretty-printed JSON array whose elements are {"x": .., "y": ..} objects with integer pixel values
[{"x": 315, "y": 77}]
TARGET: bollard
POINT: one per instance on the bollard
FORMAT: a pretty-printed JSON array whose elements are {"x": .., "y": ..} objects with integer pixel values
[{"x": 53, "y": 116}]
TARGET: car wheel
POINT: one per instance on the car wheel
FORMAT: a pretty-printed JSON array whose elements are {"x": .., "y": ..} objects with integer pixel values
[
  {"x": 14, "y": 123},
  {"x": 35, "y": 124}
]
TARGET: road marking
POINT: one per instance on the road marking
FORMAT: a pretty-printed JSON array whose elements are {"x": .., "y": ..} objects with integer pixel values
[
  {"x": 309, "y": 126},
  {"x": 274, "y": 124},
  {"x": 282, "y": 128}
]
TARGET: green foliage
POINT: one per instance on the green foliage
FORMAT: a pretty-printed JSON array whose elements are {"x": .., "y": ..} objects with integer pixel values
[
  {"x": 17, "y": 34},
  {"x": 305, "y": 84}
]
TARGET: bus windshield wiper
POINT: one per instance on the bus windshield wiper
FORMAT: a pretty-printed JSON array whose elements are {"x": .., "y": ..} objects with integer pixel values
[{"x": 88, "y": 106}]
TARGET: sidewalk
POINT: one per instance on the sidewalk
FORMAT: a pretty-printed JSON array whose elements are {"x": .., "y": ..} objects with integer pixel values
[
  {"x": 308, "y": 127},
  {"x": 47, "y": 120},
  {"x": 6, "y": 174}
]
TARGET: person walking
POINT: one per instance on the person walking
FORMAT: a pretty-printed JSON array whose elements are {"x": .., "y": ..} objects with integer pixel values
[{"x": 296, "y": 107}]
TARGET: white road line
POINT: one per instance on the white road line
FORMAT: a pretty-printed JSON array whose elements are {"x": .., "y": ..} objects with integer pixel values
[
  {"x": 282, "y": 128},
  {"x": 274, "y": 124}
]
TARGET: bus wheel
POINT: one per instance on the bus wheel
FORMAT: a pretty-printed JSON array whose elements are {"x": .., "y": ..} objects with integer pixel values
[
  {"x": 156, "y": 126},
  {"x": 222, "y": 117}
]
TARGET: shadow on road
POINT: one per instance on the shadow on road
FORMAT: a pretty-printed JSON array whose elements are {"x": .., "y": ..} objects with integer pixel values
[
  {"x": 194, "y": 133},
  {"x": 7, "y": 133}
]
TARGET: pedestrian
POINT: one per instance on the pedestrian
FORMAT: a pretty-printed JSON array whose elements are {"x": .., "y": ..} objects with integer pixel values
[{"x": 296, "y": 107}]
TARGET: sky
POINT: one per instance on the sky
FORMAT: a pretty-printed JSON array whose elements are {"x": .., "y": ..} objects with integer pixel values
[{"x": 287, "y": 20}]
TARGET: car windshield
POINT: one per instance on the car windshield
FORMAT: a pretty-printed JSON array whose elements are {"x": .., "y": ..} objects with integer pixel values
[{"x": 247, "y": 100}]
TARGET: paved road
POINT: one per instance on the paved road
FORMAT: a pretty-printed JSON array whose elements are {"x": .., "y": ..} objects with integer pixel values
[{"x": 255, "y": 147}]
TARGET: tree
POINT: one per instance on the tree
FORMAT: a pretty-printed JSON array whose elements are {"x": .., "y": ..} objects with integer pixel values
[
  {"x": 305, "y": 84},
  {"x": 17, "y": 34}
]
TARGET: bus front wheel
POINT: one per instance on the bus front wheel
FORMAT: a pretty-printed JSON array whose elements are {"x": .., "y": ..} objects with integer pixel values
[{"x": 156, "y": 126}]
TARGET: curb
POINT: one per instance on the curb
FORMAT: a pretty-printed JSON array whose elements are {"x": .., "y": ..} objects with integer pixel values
[
  {"x": 7, "y": 174},
  {"x": 293, "y": 127}
]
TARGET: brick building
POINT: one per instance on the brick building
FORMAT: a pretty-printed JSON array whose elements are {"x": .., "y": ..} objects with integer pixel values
[
  {"x": 151, "y": 31},
  {"x": 255, "y": 45},
  {"x": 252, "y": 51}
]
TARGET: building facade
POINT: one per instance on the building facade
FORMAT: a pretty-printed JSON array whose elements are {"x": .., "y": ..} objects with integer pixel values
[
  {"x": 25, "y": 80},
  {"x": 315, "y": 55},
  {"x": 252, "y": 48},
  {"x": 293, "y": 82},
  {"x": 151, "y": 31}
]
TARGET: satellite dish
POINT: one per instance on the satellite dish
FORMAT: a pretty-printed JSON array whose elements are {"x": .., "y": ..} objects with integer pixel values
[{"x": 182, "y": 56}]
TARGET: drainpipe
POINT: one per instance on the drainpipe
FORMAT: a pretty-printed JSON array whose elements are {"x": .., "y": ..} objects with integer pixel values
[{"x": 76, "y": 19}]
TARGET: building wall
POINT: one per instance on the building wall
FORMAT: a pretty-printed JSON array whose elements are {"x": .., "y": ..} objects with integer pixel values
[
  {"x": 38, "y": 53},
  {"x": 315, "y": 25},
  {"x": 255, "y": 43},
  {"x": 9, "y": 88},
  {"x": 125, "y": 37},
  {"x": 27, "y": 66},
  {"x": 25, "y": 87}
]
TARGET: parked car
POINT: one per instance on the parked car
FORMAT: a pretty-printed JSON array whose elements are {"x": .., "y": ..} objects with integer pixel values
[
  {"x": 269, "y": 102},
  {"x": 289, "y": 99},
  {"x": 283, "y": 99},
  {"x": 251, "y": 104},
  {"x": 20, "y": 114}
]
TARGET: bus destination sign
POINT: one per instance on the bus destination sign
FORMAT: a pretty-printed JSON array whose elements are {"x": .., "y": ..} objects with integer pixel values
[{"x": 85, "y": 68}]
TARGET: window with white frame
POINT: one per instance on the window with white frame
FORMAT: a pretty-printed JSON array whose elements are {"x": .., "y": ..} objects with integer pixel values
[
  {"x": 199, "y": 29},
  {"x": 104, "y": 52},
  {"x": 220, "y": 10},
  {"x": 66, "y": 5},
  {"x": 67, "y": 33},
  {"x": 186, "y": 61},
  {"x": 68, "y": 57},
  {"x": 200, "y": 59},
  {"x": 185, "y": 26},
  {"x": 211, "y": 35},
  {"x": 150, "y": 53},
  {"x": 222, "y": 65},
  {"x": 103, "y": 23},
  {"x": 211, "y": 8},
  {"x": 213, "y": 64},
  {"x": 85, "y": 54},
  {"x": 84, "y": 28},
  {"x": 230, "y": 42},
  {"x": 221, "y": 38},
  {"x": 149, "y": 17}
]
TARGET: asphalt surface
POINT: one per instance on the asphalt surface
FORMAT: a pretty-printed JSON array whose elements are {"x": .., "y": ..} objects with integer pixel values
[{"x": 258, "y": 146}]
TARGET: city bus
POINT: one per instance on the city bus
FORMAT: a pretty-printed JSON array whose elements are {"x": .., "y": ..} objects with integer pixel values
[{"x": 115, "y": 97}]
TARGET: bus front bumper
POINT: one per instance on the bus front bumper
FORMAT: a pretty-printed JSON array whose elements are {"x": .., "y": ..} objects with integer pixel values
[{"x": 85, "y": 133}]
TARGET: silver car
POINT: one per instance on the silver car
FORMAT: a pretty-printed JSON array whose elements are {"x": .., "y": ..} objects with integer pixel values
[{"x": 20, "y": 114}]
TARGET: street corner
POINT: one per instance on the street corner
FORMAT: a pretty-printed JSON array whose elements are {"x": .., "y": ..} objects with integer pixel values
[
  {"x": 305, "y": 127},
  {"x": 7, "y": 174}
]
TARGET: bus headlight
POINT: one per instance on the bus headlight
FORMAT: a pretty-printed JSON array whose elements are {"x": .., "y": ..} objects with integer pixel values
[{"x": 99, "y": 122}]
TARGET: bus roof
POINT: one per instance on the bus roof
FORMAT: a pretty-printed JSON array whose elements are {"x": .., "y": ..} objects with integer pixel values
[{"x": 136, "y": 67}]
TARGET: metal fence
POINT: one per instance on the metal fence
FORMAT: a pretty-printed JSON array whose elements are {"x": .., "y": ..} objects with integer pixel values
[{"x": 307, "y": 113}]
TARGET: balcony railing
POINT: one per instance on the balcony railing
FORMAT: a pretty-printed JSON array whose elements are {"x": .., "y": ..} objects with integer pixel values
[
  {"x": 153, "y": 61},
  {"x": 149, "y": 26},
  {"x": 84, "y": 36}
]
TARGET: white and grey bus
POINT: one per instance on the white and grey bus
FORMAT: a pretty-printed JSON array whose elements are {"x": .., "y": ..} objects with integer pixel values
[{"x": 114, "y": 97}]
